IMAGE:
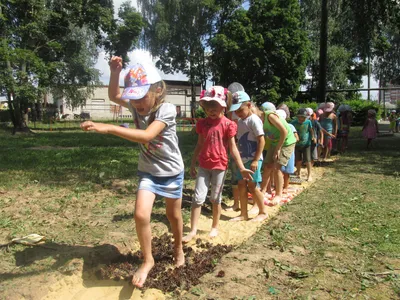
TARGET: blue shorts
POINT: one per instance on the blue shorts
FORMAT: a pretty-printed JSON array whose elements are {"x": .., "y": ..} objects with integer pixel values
[
  {"x": 257, "y": 174},
  {"x": 289, "y": 168},
  {"x": 168, "y": 187}
]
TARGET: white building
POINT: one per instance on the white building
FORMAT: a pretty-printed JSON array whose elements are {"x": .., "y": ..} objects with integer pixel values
[{"x": 99, "y": 105}]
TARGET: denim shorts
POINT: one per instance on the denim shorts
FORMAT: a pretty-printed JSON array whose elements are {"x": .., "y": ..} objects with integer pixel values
[{"x": 168, "y": 187}]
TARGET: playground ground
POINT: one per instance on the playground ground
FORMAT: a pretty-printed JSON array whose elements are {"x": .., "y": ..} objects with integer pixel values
[{"x": 337, "y": 239}]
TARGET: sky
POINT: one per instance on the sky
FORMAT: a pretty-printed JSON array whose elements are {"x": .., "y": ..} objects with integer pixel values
[{"x": 138, "y": 55}]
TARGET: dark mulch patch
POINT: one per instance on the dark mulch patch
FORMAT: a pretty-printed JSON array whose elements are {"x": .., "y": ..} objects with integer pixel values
[{"x": 164, "y": 276}]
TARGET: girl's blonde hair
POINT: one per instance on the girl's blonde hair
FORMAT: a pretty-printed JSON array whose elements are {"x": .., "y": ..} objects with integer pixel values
[{"x": 160, "y": 98}]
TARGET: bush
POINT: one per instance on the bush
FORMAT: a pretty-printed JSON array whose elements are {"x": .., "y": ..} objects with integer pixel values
[
  {"x": 200, "y": 113},
  {"x": 295, "y": 106},
  {"x": 360, "y": 110}
]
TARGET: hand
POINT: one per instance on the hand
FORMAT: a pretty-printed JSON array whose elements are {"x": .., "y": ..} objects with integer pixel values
[
  {"x": 98, "y": 127},
  {"x": 314, "y": 140},
  {"x": 254, "y": 166},
  {"x": 276, "y": 155},
  {"x": 246, "y": 174},
  {"x": 193, "y": 171},
  {"x": 332, "y": 136},
  {"x": 115, "y": 64}
]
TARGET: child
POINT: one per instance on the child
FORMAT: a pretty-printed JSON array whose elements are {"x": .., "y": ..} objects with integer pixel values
[
  {"x": 232, "y": 88},
  {"x": 250, "y": 137},
  {"x": 303, "y": 146},
  {"x": 345, "y": 120},
  {"x": 267, "y": 179},
  {"x": 282, "y": 146},
  {"x": 318, "y": 136},
  {"x": 160, "y": 163},
  {"x": 370, "y": 128},
  {"x": 216, "y": 134},
  {"x": 289, "y": 168},
  {"x": 392, "y": 120},
  {"x": 328, "y": 123}
]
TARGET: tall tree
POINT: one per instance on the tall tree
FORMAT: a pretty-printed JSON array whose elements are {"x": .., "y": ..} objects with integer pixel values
[
  {"x": 176, "y": 34},
  {"x": 51, "y": 45},
  {"x": 263, "y": 48}
]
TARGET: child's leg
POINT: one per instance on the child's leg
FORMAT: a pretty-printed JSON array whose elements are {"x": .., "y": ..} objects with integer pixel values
[
  {"x": 216, "y": 211},
  {"x": 194, "y": 220},
  {"x": 200, "y": 193},
  {"x": 174, "y": 215},
  {"x": 243, "y": 201},
  {"x": 309, "y": 167},
  {"x": 286, "y": 178},
  {"x": 278, "y": 184},
  {"x": 236, "y": 205},
  {"x": 266, "y": 176},
  {"x": 143, "y": 208},
  {"x": 298, "y": 156},
  {"x": 217, "y": 185},
  {"x": 259, "y": 201},
  {"x": 308, "y": 159}
]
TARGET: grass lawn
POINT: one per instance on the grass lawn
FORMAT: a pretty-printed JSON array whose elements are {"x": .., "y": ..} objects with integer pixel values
[{"x": 340, "y": 238}]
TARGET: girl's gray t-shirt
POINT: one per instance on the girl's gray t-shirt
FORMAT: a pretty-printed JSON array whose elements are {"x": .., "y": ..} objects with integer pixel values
[{"x": 161, "y": 156}]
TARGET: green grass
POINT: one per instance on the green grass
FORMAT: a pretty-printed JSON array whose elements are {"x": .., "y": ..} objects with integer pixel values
[{"x": 72, "y": 158}]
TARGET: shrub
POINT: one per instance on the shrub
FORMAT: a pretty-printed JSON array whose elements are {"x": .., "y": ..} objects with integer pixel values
[
  {"x": 200, "y": 113},
  {"x": 360, "y": 110}
]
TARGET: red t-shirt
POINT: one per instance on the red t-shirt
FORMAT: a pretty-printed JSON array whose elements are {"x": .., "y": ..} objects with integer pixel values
[{"x": 216, "y": 134}]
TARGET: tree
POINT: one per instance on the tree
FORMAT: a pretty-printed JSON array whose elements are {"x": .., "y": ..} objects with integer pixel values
[
  {"x": 354, "y": 27},
  {"x": 52, "y": 45},
  {"x": 263, "y": 48},
  {"x": 176, "y": 33}
]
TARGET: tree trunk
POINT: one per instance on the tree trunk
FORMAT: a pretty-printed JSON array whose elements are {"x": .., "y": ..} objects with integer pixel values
[{"x": 323, "y": 50}]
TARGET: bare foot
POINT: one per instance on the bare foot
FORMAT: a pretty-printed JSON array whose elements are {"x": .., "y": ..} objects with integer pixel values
[
  {"x": 259, "y": 218},
  {"x": 285, "y": 191},
  {"x": 213, "y": 233},
  {"x": 309, "y": 178},
  {"x": 189, "y": 237},
  {"x": 232, "y": 208},
  {"x": 254, "y": 210},
  {"x": 141, "y": 274},
  {"x": 276, "y": 200},
  {"x": 239, "y": 218},
  {"x": 179, "y": 257}
]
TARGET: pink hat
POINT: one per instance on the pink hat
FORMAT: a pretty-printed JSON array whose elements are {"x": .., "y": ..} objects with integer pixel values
[
  {"x": 319, "y": 112},
  {"x": 329, "y": 106},
  {"x": 214, "y": 93}
]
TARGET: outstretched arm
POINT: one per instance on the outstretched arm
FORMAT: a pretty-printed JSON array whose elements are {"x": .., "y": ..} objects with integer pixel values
[{"x": 142, "y": 136}]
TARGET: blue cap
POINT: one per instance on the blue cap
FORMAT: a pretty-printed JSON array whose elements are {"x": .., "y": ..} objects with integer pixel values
[
  {"x": 268, "y": 106},
  {"x": 238, "y": 99}
]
